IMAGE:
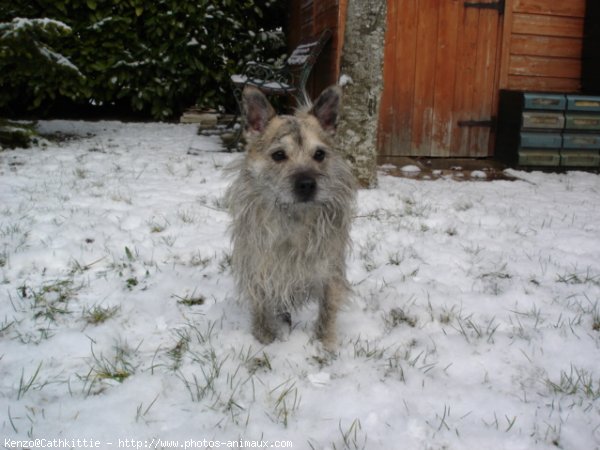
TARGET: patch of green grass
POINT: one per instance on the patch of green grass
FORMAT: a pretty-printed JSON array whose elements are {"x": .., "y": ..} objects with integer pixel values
[
  {"x": 186, "y": 216},
  {"x": 395, "y": 259},
  {"x": 142, "y": 412},
  {"x": 51, "y": 299},
  {"x": 368, "y": 349},
  {"x": 168, "y": 240},
  {"x": 81, "y": 173},
  {"x": 131, "y": 282},
  {"x": 36, "y": 336},
  {"x": 117, "y": 367},
  {"x": 182, "y": 345},
  {"x": 27, "y": 383},
  {"x": 259, "y": 363},
  {"x": 286, "y": 401},
  {"x": 5, "y": 325},
  {"x": 128, "y": 268},
  {"x": 78, "y": 268},
  {"x": 190, "y": 300},
  {"x": 157, "y": 226},
  {"x": 396, "y": 317},
  {"x": 203, "y": 387},
  {"x": 14, "y": 232},
  {"x": 129, "y": 254},
  {"x": 3, "y": 258},
  {"x": 472, "y": 330},
  {"x": 579, "y": 278},
  {"x": 197, "y": 260},
  {"x": 118, "y": 197},
  {"x": 225, "y": 262},
  {"x": 451, "y": 231},
  {"x": 500, "y": 274},
  {"x": 577, "y": 381},
  {"x": 99, "y": 314},
  {"x": 353, "y": 437},
  {"x": 495, "y": 281},
  {"x": 413, "y": 209},
  {"x": 447, "y": 314}
]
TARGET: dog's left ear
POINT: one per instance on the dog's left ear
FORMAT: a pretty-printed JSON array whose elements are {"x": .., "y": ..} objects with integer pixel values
[{"x": 326, "y": 108}]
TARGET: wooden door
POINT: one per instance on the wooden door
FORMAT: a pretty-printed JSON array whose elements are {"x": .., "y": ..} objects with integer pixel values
[{"x": 440, "y": 78}]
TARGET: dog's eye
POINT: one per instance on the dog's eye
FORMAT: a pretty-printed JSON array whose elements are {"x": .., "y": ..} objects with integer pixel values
[
  {"x": 278, "y": 156},
  {"x": 319, "y": 155}
]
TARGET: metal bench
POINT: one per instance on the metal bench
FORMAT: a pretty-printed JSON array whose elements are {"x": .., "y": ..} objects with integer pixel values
[{"x": 289, "y": 79}]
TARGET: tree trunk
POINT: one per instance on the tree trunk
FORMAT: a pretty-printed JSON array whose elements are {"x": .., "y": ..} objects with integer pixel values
[{"x": 362, "y": 74}]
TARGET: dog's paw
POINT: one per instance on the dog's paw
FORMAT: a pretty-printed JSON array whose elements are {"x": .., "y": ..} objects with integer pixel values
[
  {"x": 286, "y": 318},
  {"x": 327, "y": 336},
  {"x": 264, "y": 335},
  {"x": 326, "y": 354},
  {"x": 284, "y": 322}
]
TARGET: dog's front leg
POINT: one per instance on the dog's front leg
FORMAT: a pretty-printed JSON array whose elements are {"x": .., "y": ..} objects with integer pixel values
[{"x": 331, "y": 301}]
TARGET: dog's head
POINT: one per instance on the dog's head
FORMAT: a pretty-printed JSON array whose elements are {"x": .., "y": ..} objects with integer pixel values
[{"x": 292, "y": 157}]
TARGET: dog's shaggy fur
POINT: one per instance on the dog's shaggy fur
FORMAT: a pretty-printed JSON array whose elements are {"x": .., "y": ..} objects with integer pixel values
[{"x": 291, "y": 204}]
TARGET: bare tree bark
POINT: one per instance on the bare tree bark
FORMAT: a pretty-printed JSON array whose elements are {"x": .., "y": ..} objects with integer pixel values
[{"x": 362, "y": 74}]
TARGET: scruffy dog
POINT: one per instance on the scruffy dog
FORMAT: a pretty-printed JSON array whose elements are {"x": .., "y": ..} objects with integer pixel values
[{"x": 292, "y": 203}]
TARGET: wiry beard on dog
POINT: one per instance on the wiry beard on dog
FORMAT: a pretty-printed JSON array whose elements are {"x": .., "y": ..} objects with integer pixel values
[
  {"x": 284, "y": 250},
  {"x": 292, "y": 204}
]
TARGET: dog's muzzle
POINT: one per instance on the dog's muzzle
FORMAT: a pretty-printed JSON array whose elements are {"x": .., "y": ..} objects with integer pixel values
[{"x": 305, "y": 187}]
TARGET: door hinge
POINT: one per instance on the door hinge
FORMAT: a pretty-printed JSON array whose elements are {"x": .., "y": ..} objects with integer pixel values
[
  {"x": 499, "y": 5},
  {"x": 490, "y": 123}
]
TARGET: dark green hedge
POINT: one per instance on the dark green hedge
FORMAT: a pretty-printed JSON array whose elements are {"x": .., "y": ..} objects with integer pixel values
[{"x": 157, "y": 57}]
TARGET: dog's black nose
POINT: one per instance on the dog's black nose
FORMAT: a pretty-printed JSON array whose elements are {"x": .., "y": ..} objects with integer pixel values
[{"x": 305, "y": 187}]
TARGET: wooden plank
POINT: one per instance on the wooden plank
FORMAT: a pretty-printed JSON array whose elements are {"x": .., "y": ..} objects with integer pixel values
[
  {"x": 479, "y": 86},
  {"x": 325, "y": 6},
  {"x": 464, "y": 98},
  {"x": 542, "y": 45},
  {"x": 544, "y": 67},
  {"x": 293, "y": 36},
  {"x": 487, "y": 146},
  {"x": 559, "y": 47},
  {"x": 445, "y": 79},
  {"x": 387, "y": 106},
  {"x": 325, "y": 70},
  {"x": 496, "y": 101},
  {"x": 405, "y": 75},
  {"x": 507, "y": 35},
  {"x": 484, "y": 86},
  {"x": 427, "y": 30},
  {"x": 326, "y": 17},
  {"x": 569, "y": 8},
  {"x": 550, "y": 84},
  {"x": 306, "y": 18},
  {"x": 496, "y": 86},
  {"x": 547, "y": 25},
  {"x": 343, "y": 8}
]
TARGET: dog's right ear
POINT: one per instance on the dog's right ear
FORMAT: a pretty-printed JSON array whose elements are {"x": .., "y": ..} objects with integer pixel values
[
  {"x": 326, "y": 108},
  {"x": 257, "y": 111}
]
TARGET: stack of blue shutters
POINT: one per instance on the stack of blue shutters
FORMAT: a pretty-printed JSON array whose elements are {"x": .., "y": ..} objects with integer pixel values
[{"x": 559, "y": 130}]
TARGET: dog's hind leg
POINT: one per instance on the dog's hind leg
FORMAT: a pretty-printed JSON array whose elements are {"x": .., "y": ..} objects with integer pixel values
[{"x": 334, "y": 294}]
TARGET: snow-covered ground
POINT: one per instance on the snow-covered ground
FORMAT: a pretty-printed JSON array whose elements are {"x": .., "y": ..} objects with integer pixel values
[{"x": 475, "y": 321}]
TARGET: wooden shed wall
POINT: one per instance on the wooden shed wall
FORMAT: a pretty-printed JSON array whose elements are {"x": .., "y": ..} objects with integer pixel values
[
  {"x": 539, "y": 47},
  {"x": 542, "y": 45}
]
